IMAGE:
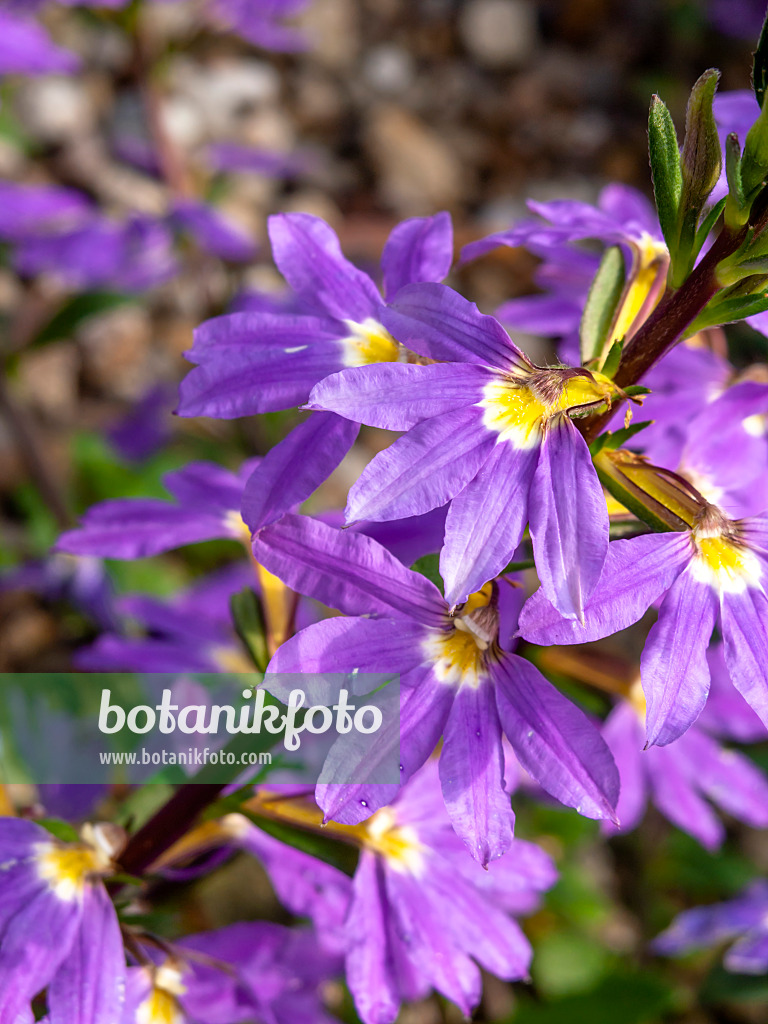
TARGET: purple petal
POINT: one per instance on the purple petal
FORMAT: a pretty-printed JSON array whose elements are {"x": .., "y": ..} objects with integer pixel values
[
  {"x": 425, "y": 705},
  {"x": 229, "y": 386},
  {"x": 486, "y": 521},
  {"x": 370, "y": 966},
  {"x": 673, "y": 666},
  {"x": 209, "y": 485},
  {"x": 26, "y": 49},
  {"x": 309, "y": 257},
  {"x": 635, "y": 574},
  {"x": 423, "y": 469},
  {"x": 214, "y": 231},
  {"x": 89, "y": 987},
  {"x": 749, "y": 955},
  {"x": 709, "y": 926},
  {"x": 472, "y": 774},
  {"x": 35, "y": 943},
  {"x": 296, "y": 467},
  {"x": 344, "y": 570},
  {"x": 411, "y": 538},
  {"x": 396, "y": 396},
  {"x": 128, "y": 528},
  {"x": 624, "y": 734},
  {"x": 568, "y": 520},
  {"x": 262, "y": 334},
  {"x": 743, "y": 618},
  {"x": 419, "y": 249},
  {"x": 675, "y": 794},
  {"x": 352, "y": 645},
  {"x": 729, "y": 779},
  {"x": 554, "y": 741},
  {"x": 437, "y": 322}
]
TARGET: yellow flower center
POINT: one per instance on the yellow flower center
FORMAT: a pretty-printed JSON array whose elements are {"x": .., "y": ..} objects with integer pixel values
[
  {"x": 516, "y": 408},
  {"x": 67, "y": 868},
  {"x": 725, "y": 564},
  {"x": 369, "y": 342},
  {"x": 161, "y": 1006},
  {"x": 460, "y": 652},
  {"x": 398, "y": 844}
]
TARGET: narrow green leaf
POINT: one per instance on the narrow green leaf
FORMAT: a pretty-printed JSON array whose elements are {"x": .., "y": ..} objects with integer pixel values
[
  {"x": 602, "y": 301},
  {"x": 760, "y": 64},
  {"x": 340, "y": 855},
  {"x": 248, "y": 617},
  {"x": 704, "y": 229},
  {"x": 60, "y": 829},
  {"x": 733, "y": 169},
  {"x": 613, "y": 439},
  {"x": 665, "y": 169},
  {"x": 754, "y": 162},
  {"x": 728, "y": 311},
  {"x": 612, "y": 360}
]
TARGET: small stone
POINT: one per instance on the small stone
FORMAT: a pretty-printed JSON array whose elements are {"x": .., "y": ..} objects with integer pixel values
[
  {"x": 55, "y": 109},
  {"x": 389, "y": 69},
  {"x": 499, "y": 33}
]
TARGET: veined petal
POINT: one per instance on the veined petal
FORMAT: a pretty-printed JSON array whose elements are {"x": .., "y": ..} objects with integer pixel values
[
  {"x": 424, "y": 708},
  {"x": 296, "y": 467},
  {"x": 230, "y": 385},
  {"x": 256, "y": 336},
  {"x": 743, "y": 618},
  {"x": 423, "y": 469},
  {"x": 419, "y": 249},
  {"x": 437, "y": 322},
  {"x": 35, "y": 943},
  {"x": 352, "y": 645},
  {"x": 674, "y": 667},
  {"x": 636, "y": 572},
  {"x": 675, "y": 794},
  {"x": 397, "y": 396},
  {"x": 554, "y": 740},
  {"x": 728, "y": 778},
  {"x": 472, "y": 774},
  {"x": 486, "y": 521},
  {"x": 207, "y": 484},
  {"x": 129, "y": 528},
  {"x": 568, "y": 519},
  {"x": 308, "y": 255},
  {"x": 89, "y": 988},
  {"x": 344, "y": 570},
  {"x": 624, "y": 735}
]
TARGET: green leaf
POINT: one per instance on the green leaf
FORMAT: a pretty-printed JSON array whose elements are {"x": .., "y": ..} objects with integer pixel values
[
  {"x": 733, "y": 169},
  {"x": 612, "y": 360},
  {"x": 618, "y": 999},
  {"x": 754, "y": 162},
  {"x": 602, "y": 302},
  {"x": 760, "y": 64},
  {"x": 665, "y": 169},
  {"x": 429, "y": 566},
  {"x": 703, "y": 230},
  {"x": 728, "y": 311},
  {"x": 61, "y": 829},
  {"x": 613, "y": 439},
  {"x": 77, "y": 309},
  {"x": 331, "y": 851},
  {"x": 248, "y": 617}
]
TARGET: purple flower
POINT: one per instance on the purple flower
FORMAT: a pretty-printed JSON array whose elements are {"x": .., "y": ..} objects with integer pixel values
[
  {"x": 744, "y": 919},
  {"x": 457, "y": 680},
  {"x": 246, "y": 971},
  {"x": 26, "y": 49},
  {"x": 490, "y": 431},
  {"x": 679, "y": 777},
  {"x": 261, "y": 21},
  {"x": 31, "y": 210},
  {"x": 144, "y": 430},
  {"x": 191, "y": 633},
  {"x": 58, "y": 928},
  {"x": 207, "y": 507},
  {"x": 214, "y": 232},
  {"x": 82, "y": 581},
  {"x": 130, "y": 256},
  {"x": 717, "y": 570},
  {"x": 419, "y": 913},
  {"x": 253, "y": 362}
]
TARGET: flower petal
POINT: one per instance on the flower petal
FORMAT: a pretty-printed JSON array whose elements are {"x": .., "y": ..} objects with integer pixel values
[
  {"x": 89, "y": 987},
  {"x": 568, "y": 520},
  {"x": 419, "y": 249},
  {"x": 636, "y": 572},
  {"x": 745, "y": 641},
  {"x": 437, "y": 322},
  {"x": 296, "y": 467},
  {"x": 345, "y": 570},
  {"x": 486, "y": 521},
  {"x": 397, "y": 396},
  {"x": 673, "y": 666},
  {"x": 472, "y": 774},
  {"x": 309, "y": 257},
  {"x": 423, "y": 469},
  {"x": 554, "y": 740}
]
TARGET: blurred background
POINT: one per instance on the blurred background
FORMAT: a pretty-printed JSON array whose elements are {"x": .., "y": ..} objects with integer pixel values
[{"x": 175, "y": 137}]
